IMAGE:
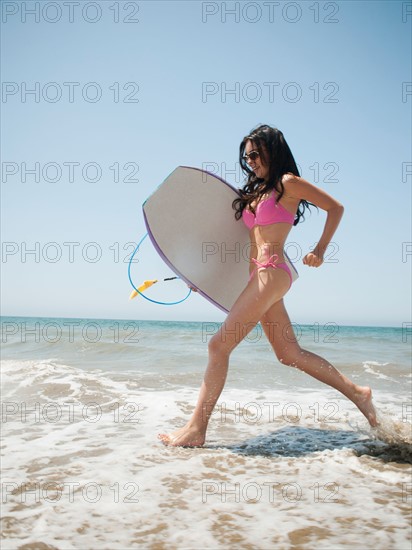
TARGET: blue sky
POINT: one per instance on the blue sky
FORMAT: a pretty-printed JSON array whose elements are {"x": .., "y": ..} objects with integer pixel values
[{"x": 333, "y": 76}]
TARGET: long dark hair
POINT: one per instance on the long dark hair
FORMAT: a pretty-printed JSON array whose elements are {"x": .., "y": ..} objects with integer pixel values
[{"x": 275, "y": 152}]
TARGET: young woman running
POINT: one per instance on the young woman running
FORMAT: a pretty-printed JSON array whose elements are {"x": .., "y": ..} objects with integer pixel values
[{"x": 272, "y": 200}]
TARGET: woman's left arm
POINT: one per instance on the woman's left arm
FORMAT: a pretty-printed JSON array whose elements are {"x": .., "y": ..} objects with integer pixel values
[{"x": 303, "y": 190}]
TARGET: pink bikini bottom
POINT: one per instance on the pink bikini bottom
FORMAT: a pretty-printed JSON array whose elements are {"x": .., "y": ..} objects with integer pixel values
[{"x": 271, "y": 262}]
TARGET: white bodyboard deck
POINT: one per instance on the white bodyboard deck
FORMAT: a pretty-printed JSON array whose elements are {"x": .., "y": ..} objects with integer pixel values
[{"x": 191, "y": 223}]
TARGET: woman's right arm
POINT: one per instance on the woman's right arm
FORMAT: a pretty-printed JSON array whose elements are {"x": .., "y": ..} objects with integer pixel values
[{"x": 300, "y": 188}]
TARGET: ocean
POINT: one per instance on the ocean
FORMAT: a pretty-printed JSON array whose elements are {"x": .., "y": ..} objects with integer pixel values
[{"x": 288, "y": 463}]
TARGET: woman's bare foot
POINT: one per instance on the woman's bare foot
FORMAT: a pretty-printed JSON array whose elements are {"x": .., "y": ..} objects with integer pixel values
[
  {"x": 188, "y": 436},
  {"x": 365, "y": 405}
]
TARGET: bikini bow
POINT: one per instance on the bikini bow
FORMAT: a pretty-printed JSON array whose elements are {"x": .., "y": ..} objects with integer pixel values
[{"x": 270, "y": 262}]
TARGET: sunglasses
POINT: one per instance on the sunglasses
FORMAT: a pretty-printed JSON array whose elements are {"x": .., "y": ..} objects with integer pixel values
[{"x": 253, "y": 155}]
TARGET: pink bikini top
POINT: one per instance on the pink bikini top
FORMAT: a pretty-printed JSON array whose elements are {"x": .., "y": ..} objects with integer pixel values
[{"x": 267, "y": 212}]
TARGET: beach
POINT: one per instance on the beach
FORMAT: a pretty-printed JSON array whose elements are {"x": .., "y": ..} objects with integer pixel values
[{"x": 288, "y": 462}]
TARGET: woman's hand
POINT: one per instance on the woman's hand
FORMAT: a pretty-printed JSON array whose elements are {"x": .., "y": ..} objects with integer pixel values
[{"x": 314, "y": 258}]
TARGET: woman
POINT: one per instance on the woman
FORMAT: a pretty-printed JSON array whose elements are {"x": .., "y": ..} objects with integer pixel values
[{"x": 272, "y": 200}]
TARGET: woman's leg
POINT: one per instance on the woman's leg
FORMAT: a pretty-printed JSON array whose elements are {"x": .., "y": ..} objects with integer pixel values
[
  {"x": 268, "y": 286},
  {"x": 278, "y": 329}
]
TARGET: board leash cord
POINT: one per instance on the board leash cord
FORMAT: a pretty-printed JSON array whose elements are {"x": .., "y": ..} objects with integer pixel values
[{"x": 152, "y": 282}]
